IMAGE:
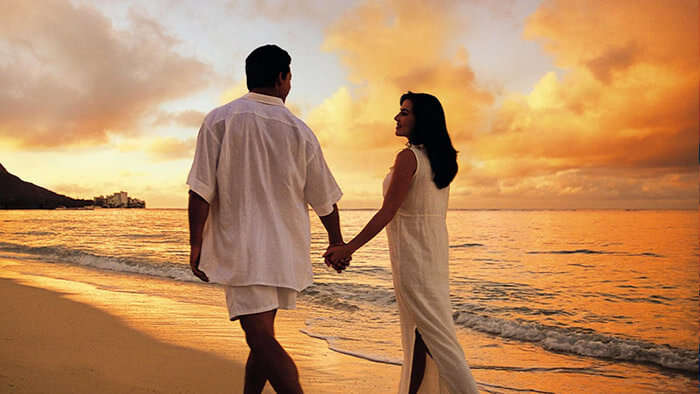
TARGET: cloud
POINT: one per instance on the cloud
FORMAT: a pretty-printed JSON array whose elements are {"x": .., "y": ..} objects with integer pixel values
[
  {"x": 158, "y": 148},
  {"x": 627, "y": 104},
  {"x": 612, "y": 60},
  {"x": 576, "y": 32},
  {"x": 582, "y": 188},
  {"x": 389, "y": 48},
  {"x": 172, "y": 148},
  {"x": 280, "y": 11},
  {"x": 189, "y": 118},
  {"x": 69, "y": 77},
  {"x": 620, "y": 123}
]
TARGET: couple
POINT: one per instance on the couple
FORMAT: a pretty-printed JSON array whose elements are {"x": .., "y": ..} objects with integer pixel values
[{"x": 257, "y": 166}]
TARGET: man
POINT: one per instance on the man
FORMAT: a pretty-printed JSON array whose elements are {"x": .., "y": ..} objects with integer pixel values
[{"x": 255, "y": 169}]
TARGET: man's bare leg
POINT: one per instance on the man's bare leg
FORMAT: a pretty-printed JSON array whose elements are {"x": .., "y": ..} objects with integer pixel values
[
  {"x": 267, "y": 359},
  {"x": 255, "y": 376}
]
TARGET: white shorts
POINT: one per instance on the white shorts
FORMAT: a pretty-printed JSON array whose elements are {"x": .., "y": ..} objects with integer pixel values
[{"x": 246, "y": 300}]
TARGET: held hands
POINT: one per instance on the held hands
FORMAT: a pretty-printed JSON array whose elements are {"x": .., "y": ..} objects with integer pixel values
[{"x": 338, "y": 256}]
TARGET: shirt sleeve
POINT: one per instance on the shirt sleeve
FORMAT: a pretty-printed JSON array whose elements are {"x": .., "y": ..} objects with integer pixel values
[
  {"x": 202, "y": 177},
  {"x": 321, "y": 191}
]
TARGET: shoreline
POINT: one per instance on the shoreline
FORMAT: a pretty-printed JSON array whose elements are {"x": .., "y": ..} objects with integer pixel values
[
  {"x": 100, "y": 335},
  {"x": 178, "y": 318}
]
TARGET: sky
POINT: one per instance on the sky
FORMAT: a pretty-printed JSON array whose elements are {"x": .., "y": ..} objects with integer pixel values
[{"x": 552, "y": 104}]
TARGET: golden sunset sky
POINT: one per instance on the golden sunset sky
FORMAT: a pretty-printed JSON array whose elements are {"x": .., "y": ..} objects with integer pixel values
[{"x": 551, "y": 104}]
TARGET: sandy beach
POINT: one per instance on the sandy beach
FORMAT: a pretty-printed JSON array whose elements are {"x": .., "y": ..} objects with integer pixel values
[
  {"x": 61, "y": 336},
  {"x": 52, "y": 344}
]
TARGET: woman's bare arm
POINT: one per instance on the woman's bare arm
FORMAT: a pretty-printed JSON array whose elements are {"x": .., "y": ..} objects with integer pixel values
[{"x": 404, "y": 168}]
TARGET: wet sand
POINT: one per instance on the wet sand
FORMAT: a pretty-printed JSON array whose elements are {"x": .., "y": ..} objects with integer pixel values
[{"x": 64, "y": 336}]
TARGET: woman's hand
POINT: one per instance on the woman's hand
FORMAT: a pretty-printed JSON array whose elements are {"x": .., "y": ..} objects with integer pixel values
[{"x": 338, "y": 256}]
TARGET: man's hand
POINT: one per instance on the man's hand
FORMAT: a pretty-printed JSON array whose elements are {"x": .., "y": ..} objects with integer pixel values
[
  {"x": 197, "y": 212},
  {"x": 331, "y": 222},
  {"x": 338, "y": 256},
  {"x": 195, "y": 254}
]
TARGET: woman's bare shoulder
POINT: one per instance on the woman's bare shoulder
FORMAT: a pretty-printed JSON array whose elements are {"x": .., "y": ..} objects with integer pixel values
[{"x": 406, "y": 161}]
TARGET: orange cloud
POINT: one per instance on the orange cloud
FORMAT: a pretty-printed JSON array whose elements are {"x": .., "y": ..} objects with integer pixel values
[
  {"x": 627, "y": 104},
  {"x": 172, "y": 148},
  {"x": 618, "y": 126},
  {"x": 159, "y": 148},
  {"x": 578, "y": 32},
  {"x": 614, "y": 59},
  {"x": 71, "y": 78},
  {"x": 388, "y": 49}
]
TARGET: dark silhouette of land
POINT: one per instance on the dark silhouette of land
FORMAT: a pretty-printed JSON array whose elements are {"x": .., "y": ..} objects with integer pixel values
[{"x": 18, "y": 194}]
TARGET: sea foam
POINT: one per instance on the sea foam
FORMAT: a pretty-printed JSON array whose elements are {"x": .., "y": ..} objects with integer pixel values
[{"x": 583, "y": 342}]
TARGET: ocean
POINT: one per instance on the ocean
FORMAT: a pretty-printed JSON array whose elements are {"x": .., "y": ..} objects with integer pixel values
[{"x": 544, "y": 301}]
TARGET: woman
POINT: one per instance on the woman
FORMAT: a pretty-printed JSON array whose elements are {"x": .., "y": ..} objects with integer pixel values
[{"x": 414, "y": 210}]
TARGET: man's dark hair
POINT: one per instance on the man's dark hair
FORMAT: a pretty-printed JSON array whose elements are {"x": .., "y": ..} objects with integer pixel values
[{"x": 264, "y": 64}]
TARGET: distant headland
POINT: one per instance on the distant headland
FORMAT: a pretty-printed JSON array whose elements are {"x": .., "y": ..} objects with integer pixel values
[{"x": 18, "y": 194}]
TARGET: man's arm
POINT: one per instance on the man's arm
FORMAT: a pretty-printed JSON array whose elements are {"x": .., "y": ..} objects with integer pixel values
[
  {"x": 335, "y": 237},
  {"x": 332, "y": 224},
  {"x": 197, "y": 211},
  {"x": 404, "y": 168}
]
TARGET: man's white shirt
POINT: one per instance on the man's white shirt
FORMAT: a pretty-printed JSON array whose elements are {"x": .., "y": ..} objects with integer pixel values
[{"x": 258, "y": 166}]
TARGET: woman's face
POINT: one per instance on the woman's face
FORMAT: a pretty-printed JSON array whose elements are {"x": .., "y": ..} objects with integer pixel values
[{"x": 405, "y": 119}]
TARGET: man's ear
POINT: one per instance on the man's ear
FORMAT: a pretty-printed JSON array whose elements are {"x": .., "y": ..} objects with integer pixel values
[{"x": 280, "y": 79}]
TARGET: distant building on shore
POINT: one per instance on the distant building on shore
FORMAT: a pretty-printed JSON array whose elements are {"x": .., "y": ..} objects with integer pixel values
[{"x": 119, "y": 200}]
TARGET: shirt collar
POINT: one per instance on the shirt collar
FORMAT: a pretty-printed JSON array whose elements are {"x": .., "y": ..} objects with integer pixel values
[{"x": 263, "y": 98}]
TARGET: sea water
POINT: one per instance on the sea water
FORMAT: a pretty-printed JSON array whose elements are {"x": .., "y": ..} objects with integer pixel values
[{"x": 607, "y": 298}]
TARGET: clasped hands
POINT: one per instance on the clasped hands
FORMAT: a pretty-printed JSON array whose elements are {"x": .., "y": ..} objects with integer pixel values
[{"x": 338, "y": 256}]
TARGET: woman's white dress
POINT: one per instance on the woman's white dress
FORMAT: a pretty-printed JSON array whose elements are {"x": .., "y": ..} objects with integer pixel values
[{"x": 418, "y": 247}]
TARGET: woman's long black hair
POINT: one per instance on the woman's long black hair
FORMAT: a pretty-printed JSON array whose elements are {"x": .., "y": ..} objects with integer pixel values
[{"x": 430, "y": 130}]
